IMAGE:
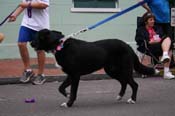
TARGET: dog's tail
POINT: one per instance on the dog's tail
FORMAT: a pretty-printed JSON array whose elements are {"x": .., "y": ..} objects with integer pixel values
[{"x": 140, "y": 68}]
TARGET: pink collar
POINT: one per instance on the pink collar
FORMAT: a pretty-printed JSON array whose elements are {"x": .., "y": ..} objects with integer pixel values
[{"x": 60, "y": 46}]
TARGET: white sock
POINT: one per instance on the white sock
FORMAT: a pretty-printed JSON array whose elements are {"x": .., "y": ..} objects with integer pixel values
[
  {"x": 166, "y": 69},
  {"x": 165, "y": 53}
]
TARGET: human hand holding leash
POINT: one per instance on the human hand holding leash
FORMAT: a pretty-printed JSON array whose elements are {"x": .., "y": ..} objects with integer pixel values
[
  {"x": 12, "y": 18},
  {"x": 15, "y": 14},
  {"x": 9, "y": 16}
]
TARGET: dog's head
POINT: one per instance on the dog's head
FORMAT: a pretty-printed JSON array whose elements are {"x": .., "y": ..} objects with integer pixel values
[{"x": 47, "y": 40}]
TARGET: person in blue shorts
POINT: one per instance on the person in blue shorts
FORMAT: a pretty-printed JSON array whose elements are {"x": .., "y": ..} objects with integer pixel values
[{"x": 36, "y": 17}]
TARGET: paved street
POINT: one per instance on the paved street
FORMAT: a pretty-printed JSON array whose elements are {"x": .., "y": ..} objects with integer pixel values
[{"x": 156, "y": 97}]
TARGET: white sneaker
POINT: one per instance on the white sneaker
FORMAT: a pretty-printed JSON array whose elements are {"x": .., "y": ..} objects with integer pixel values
[
  {"x": 157, "y": 71},
  {"x": 165, "y": 59},
  {"x": 168, "y": 75}
]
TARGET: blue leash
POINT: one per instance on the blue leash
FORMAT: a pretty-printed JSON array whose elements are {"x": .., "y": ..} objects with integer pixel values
[
  {"x": 116, "y": 15},
  {"x": 107, "y": 19}
]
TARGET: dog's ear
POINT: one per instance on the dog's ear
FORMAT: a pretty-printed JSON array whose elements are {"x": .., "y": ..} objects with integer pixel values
[
  {"x": 39, "y": 37},
  {"x": 44, "y": 32},
  {"x": 58, "y": 34}
]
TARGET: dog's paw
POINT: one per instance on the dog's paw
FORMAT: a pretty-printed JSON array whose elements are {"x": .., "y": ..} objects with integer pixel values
[
  {"x": 64, "y": 105},
  {"x": 130, "y": 101},
  {"x": 119, "y": 98}
]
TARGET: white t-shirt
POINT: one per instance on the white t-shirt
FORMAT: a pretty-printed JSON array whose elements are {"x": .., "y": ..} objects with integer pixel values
[{"x": 39, "y": 19}]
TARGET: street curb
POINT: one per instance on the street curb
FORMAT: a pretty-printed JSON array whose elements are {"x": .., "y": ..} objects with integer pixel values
[{"x": 60, "y": 78}]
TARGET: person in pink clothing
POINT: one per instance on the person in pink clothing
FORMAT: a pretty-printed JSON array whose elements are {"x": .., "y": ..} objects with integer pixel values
[{"x": 158, "y": 43}]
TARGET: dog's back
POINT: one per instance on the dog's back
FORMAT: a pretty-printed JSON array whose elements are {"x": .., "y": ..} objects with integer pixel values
[{"x": 121, "y": 50}]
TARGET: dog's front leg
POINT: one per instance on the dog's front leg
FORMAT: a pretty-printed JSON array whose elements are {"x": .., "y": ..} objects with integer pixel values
[
  {"x": 64, "y": 85},
  {"x": 73, "y": 92}
]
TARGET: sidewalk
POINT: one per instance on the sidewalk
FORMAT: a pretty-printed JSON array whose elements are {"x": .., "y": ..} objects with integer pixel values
[{"x": 11, "y": 70}]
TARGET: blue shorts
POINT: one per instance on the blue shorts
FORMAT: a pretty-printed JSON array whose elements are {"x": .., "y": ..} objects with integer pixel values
[{"x": 26, "y": 34}]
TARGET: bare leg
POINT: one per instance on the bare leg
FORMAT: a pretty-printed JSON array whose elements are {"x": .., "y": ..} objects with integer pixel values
[
  {"x": 41, "y": 61},
  {"x": 165, "y": 48},
  {"x": 24, "y": 54},
  {"x": 166, "y": 44}
]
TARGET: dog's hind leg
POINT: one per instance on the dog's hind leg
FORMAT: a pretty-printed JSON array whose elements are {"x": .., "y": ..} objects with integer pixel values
[
  {"x": 64, "y": 85},
  {"x": 134, "y": 87},
  {"x": 123, "y": 89},
  {"x": 112, "y": 72}
]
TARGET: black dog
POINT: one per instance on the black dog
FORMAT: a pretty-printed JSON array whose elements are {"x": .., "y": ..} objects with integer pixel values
[{"x": 78, "y": 58}]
